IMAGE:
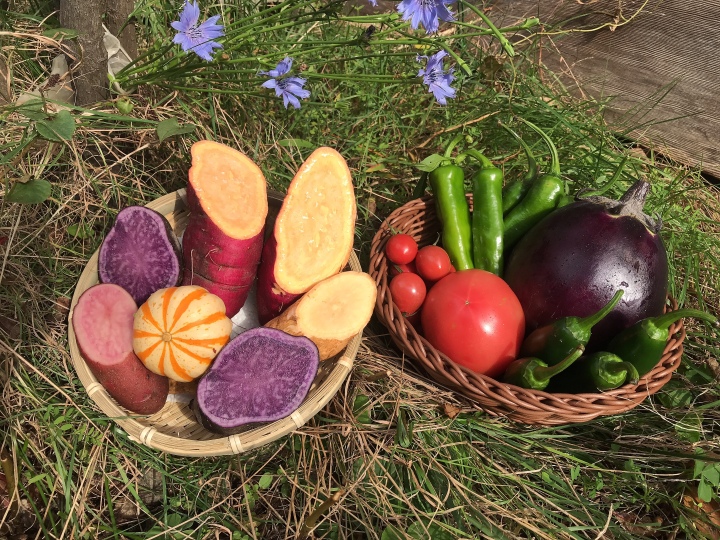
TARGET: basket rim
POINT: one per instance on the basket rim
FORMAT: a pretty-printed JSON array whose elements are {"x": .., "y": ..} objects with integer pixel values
[
  {"x": 417, "y": 218},
  {"x": 174, "y": 205}
]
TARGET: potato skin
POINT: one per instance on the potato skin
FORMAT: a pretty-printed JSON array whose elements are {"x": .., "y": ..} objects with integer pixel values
[
  {"x": 233, "y": 296},
  {"x": 102, "y": 321},
  {"x": 223, "y": 265},
  {"x": 271, "y": 299},
  {"x": 131, "y": 384}
]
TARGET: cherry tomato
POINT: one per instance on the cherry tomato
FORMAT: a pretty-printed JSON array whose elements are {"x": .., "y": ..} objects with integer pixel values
[
  {"x": 408, "y": 292},
  {"x": 432, "y": 263},
  {"x": 396, "y": 269},
  {"x": 475, "y": 319},
  {"x": 401, "y": 248}
]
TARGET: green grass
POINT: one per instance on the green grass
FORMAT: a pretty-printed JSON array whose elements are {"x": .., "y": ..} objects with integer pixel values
[{"x": 398, "y": 465}]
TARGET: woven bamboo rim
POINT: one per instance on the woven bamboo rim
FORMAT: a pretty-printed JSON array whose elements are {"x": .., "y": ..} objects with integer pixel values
[
  {"x": 174, "y": 429},
  {"x": 418, "y": 219}
]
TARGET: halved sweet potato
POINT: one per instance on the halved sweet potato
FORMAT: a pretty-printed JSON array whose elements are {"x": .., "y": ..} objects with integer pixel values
[
  {"x": 314, "y": 230},
  {"x": 222, "y": 244},
  {"x": 103, "y": 325},
  {"x": 229, "y": 187},
  {"x": 140, "y": 253},
  {"x": 332, "y": 312}
]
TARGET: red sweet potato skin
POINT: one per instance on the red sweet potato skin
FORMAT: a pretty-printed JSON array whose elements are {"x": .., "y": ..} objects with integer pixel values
[
  {"x": 131, "y": 384},
  {"x": 271, "y": 299},
  {"x": 233, "y": 296},
  {"x": 204, "y": 239},
  {"x": 223, "y": 265},
  {"x": 227, "y": 275},
  {"x": 115, "y": 366}
]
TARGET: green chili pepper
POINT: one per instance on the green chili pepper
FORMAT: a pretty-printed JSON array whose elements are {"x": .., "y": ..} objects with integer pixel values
[
  {"x": 535, "y": 374},
  {"x": 600, "y": 371},
  {"x": 514, "y": 192},
  {"x": 643, "y": 343},
  {"x": 541, "y": 199},
  {"x": 555, "y": 341},
  {"x": 487, "y": 216},
  {"x": 448, "y": 185}
]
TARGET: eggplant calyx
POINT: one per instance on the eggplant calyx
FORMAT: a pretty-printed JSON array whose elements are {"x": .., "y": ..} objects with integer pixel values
[{"x": 630, "y": 204}]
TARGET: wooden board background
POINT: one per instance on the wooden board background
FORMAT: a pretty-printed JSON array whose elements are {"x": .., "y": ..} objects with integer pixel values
[{"x": 661, "y": 68}]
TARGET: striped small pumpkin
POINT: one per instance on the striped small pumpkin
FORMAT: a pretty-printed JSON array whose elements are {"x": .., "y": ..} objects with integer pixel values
[{"x": 179, "y": 330}]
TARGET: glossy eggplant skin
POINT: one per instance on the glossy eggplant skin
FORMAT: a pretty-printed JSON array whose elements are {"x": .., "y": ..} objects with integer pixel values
[{"x": 575, "y": 259}]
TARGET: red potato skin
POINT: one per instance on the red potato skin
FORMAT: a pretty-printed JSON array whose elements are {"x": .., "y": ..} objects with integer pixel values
[
  {"x": 127, "y": 380},
  {"x": 233, "y": 296},
  {"x": 271, "y": 299}
]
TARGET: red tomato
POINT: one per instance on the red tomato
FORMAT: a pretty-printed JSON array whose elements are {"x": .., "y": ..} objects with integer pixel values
[
  {"x": 401, "y": 248},
  {"x": 475, "y": 319},
  {"x": 408, "y": 292},
  {"x": 432, "y": 263},
  {"x": 395, "y": 269}
]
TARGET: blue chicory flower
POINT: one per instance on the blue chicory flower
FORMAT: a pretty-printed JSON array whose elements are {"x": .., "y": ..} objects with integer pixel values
[
  {"x": 373, "y": 3},
  {"x": 437, "y": 80},
  {"x": 290, "y": 88},
  {"x": 195, "y": 37},
  {"x": 427, "y": 12}
]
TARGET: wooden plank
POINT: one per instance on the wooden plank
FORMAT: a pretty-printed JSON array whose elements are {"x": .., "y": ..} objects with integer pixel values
[{"x": 659, "y": 68}]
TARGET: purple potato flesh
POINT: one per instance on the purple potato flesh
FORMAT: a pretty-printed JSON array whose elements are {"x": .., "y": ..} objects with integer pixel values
[
  {"x": 141, "y": 253},
  {"x": 262, "y": 375}
]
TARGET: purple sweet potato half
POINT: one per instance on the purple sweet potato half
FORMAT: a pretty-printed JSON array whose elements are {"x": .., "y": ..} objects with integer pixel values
[
  {"x": 262, "y": 375},
  {"x": 103, "y": 323},
  {"x": 140, "y": 253}
]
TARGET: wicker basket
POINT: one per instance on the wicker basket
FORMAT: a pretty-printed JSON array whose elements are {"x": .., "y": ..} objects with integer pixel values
[
  {"x": 418, "y": 219},
  {"x": 174, "y": 429}
]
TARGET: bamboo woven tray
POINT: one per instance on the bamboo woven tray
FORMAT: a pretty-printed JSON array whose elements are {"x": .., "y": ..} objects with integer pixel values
[
  {"x": 418, "y": 219},
  {"x": 174, "y": 428}
]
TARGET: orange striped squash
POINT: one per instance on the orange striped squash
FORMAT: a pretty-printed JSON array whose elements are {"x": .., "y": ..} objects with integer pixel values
[{"x": 179, "y": 330}]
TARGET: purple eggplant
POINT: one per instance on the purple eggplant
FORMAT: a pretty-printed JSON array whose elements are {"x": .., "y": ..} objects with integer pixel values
[{"x": 573, "y": 261}]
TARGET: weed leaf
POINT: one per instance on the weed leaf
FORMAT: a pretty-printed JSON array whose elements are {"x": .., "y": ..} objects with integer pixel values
[
  {"x": 60, "y": 128},
  {"x": 704, "y": 491},
  {"x": 78, "y": 230},
  {"x": 430, "y": 163},
  {"x": 392, "y": 533},
  {"x": 265, "y": 481},
  {"x": 32, "y": 192},
  {"x": 170, "y": 127}
]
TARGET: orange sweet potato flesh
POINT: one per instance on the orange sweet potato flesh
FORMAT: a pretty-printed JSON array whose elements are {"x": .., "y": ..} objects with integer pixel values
[
  {"x": 221, "y": 176},
  {"x": 332, "y": 312}
]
